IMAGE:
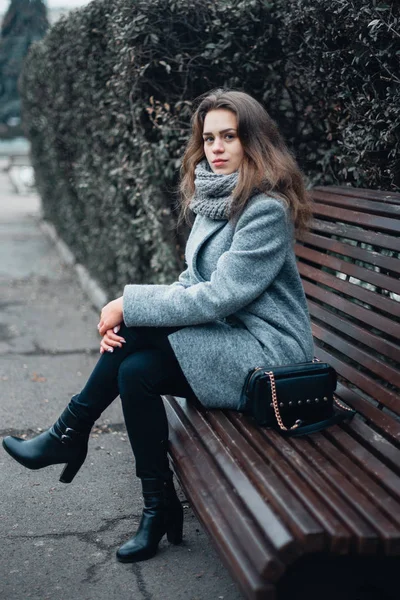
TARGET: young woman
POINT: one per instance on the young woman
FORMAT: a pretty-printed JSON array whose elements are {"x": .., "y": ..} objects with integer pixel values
[{"x": 238, "y": 304}]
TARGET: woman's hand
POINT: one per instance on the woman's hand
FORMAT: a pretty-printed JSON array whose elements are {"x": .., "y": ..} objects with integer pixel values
[
  {"x": 111, "y": 340},
  {"x": 110, "y": 316}
]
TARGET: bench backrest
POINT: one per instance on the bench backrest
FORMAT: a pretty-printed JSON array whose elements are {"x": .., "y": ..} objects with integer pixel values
[{"x": 349, "y": 262}]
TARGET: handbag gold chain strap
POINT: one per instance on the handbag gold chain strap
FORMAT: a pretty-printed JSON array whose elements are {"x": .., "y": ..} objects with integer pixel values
[
  {"x": 276, "y": 405},
  {"x": 340, "y": 405}
]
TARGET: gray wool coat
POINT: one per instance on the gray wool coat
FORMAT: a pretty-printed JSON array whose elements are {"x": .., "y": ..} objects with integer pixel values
[{"x": 240, "y": 300}]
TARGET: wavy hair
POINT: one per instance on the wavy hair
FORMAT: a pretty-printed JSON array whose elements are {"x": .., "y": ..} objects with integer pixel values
[{"x": 268, "y": 164}]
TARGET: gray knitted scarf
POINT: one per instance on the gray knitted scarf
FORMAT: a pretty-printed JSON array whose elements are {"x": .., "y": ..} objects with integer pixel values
[{"x": 213, "y": 192}]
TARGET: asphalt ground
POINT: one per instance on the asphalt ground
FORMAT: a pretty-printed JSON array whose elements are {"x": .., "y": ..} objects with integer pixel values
[{"x": 58, "y": 541}]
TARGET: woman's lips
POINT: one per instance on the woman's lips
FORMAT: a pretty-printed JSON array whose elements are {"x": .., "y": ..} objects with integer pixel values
[{"x": 219, "y": 162}]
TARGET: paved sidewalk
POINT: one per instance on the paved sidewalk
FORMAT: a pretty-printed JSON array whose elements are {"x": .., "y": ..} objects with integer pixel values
[{"x": 58, "y": 541}]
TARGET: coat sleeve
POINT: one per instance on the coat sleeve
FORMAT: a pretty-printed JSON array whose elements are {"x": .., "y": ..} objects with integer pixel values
[{"x": 257, "y": 253}]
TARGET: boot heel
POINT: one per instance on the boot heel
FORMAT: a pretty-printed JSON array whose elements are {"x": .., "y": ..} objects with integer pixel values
[
  {"x": 175, "y": 529},
  {"x": 71, "y": 468}
]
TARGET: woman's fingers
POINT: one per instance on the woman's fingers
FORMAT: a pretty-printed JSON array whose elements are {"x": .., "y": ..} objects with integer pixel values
[
  {"x": 110, "y": 341},
  {"x": 102, "y": 328},
  {"x": 113, "y": 336},
  {"x": 105, "y": 347}
]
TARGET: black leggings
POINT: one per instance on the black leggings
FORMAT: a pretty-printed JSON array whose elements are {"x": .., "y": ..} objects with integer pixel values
[{"x": 139, "y": 372}]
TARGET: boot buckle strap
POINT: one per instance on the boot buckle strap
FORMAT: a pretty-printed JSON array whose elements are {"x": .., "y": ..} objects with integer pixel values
[{"x": 69, "y": 435}]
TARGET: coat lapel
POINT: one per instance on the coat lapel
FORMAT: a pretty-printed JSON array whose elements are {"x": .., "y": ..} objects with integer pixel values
[{"x": 204, "y": 230}]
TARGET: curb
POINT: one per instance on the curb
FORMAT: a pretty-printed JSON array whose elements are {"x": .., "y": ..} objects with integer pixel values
[{"x": 90, "y": 286}]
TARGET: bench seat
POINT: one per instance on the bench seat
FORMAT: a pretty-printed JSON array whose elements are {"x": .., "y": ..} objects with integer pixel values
[{"x": 317, "y": 516}]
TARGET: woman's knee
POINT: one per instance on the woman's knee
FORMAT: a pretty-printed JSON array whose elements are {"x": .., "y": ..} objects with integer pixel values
[
  {"x": 128, "y": 372},
  {"x": 137, "y": 372}
]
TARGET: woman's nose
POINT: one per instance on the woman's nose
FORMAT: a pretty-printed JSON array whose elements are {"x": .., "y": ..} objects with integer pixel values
[{"x": 218, "y": 145}]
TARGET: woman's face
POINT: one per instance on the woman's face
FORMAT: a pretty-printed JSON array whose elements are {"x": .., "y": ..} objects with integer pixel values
[{"x": 222, "y": 147}]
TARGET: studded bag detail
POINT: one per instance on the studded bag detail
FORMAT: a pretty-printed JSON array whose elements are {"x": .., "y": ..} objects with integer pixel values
[{"x": 295, "y": 399}]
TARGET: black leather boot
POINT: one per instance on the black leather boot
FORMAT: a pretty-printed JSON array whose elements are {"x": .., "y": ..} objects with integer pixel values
[
  {"x": 65, "y": 442},
  {"x": 162, "y": 514}
]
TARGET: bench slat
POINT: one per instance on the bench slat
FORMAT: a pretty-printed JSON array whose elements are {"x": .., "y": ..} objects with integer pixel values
[
  {"x": 363, "y": 358},
  {"x": 362, "y": 381},
  {"x": 387, "y": 503},
  {"x": 350, "y": 269},
  {"x": 376, "y": 418},
  {"x": 363, "y": 454},
  {"x": 339, "y": 536},
  {"x": 280, "y": 538},
  {"x": 351, "y": 309},
  {"x": 360, "y": 204},
  {"x": 354, "y": 291},
  {"x": 237, "y": 562},
  {"x": 339, "y": 323},
  {"x": 387, "y": 263},
  {"x": 212, "y": 501},
  {"x": 364, "y": 538},
  {"x": 349, "y": 231},
  {"x": 378, "y": 195},
  {"x": 387, "y": 532},
  {"x": 356, "y": 218},
  {"x": 290, "y": 510}
]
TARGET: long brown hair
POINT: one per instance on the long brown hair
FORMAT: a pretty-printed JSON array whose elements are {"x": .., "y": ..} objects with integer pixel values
[{"x": 268, "y": 164}]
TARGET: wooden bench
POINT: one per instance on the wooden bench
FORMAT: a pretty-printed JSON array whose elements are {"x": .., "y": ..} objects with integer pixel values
[{"x": 315, "y": 517}]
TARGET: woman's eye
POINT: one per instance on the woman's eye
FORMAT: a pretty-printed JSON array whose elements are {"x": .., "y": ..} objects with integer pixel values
[{"x": 228, "y": 136}]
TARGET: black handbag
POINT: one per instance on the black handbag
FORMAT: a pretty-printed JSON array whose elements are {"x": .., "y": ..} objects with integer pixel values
[{"x": 295, "y": 399}]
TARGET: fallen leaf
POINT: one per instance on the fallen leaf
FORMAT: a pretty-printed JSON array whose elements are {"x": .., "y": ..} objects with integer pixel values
[{"x": 38, "y": 378}]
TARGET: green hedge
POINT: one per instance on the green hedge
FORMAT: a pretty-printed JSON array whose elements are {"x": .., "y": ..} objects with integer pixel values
[{"x": 107, "y": 98}]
